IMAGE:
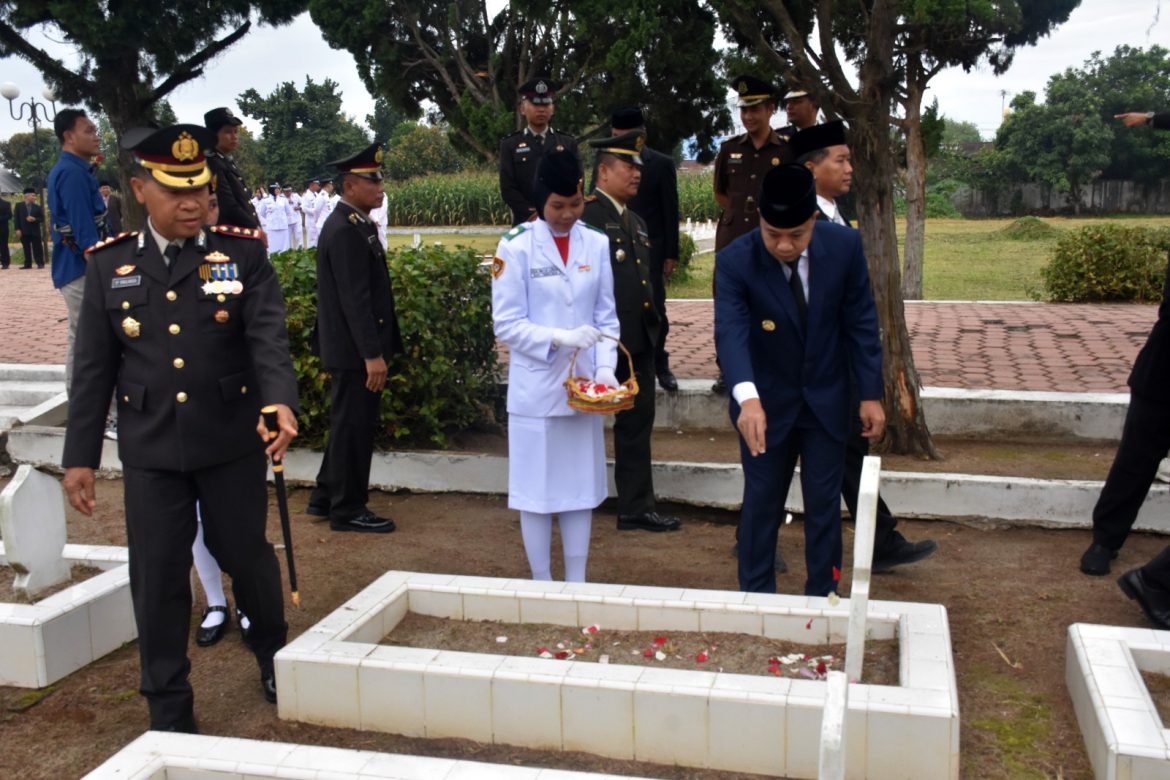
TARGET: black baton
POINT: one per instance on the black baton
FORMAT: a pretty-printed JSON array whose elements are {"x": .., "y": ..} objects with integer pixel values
[{"x": 270, "y": 423}]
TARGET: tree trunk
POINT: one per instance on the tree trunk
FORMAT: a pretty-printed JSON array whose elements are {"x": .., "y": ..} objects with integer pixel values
[
  {"x": 915, "y": 193},
  {"x": 874, "y": 162},
  {"x": 124, "y": 110}
]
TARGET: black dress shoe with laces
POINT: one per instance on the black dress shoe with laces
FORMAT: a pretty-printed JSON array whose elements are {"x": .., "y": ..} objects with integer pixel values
[
  {"x": 1095, "y": 561},
  {"x": 206, "y": 637},
  {"x": 668, "y": 381},
  {"x": 368, "y": 523},
  {"x": 901, "y": 552},
  {"x": 648, "y": 521},
  {"x": 1154, "y": 601}
]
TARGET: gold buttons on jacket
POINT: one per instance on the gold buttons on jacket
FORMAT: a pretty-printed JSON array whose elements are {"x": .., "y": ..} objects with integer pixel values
[
  {"x": 172, "y": 295},
  {"x": 221, "y": 297},
  {"x": 125, "y": 305},
  {"x": 181, "y": 397},
  {"x": 768, "y": 325},
  {"x": 174, "y": 329},
  {"x": 646, "y": 305},
  {"x": 243, "y": 389},
  {"x": 643, "y": 282},
  {"x": 179, "y": 362}
]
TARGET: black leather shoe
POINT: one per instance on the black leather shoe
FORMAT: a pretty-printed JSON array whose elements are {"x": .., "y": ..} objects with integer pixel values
[
  {"x": 185, "y": 725},
  {"x": 1095, "y": 561},
  {"x": 901, "y": 552},
  {"x": 206, "y": 637},
  {"x": 368, "y": 523},
  {"x": 668, "y": 381},
  {"x": 244, "y": 632},
  {"x": 1155, "y": 602},
  {"x": 648, "y": 521},
  {"x": 268, "y": 683},
  {"x": 720, "y": 386},
  {"x": 317, "y": 511}
]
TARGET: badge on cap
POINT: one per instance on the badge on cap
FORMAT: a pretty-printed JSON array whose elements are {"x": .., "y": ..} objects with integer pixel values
[
  {"x": 131, "y": 327},
  {"x": 185, "y": 147},
  {"x": 541, "y": 88},
  {"x": 769, "y": 326}
]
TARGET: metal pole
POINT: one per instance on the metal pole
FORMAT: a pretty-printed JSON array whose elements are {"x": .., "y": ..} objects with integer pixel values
[{"x": 42, "y": 184}]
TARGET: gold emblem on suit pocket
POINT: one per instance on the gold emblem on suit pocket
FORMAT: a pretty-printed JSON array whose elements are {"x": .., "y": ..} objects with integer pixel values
[
  {"x": 769, "y": 326},
  {"x": 131, "y": 327},
  {"x": 775, "y": 160},
  {"x": 222, "y": 316},
  {"x": 620, "y": 255}
]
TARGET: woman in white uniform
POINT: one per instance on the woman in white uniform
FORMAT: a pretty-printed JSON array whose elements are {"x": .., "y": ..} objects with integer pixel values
[{"x": 552, "y": 295}]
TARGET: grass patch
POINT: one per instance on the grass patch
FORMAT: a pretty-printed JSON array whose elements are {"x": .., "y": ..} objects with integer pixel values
[
  {"x": 1028, "y": 229},
  {"x": 1017, "y": 733},
  {"x": 482, "y": 244}
]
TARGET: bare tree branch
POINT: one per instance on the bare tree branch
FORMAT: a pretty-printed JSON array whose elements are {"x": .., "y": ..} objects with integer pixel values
[
  {"x": 192, "y": 68},
  {"x": 44, "y": 62}
]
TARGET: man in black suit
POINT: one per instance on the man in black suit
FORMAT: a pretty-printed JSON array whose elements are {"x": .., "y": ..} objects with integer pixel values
[
  {"x": 1144, "y": 442},
  {"x": 824, "y": 150},
  {"x": 358, "y": 336},
  {"x": 113, "y": 203},
  {"x": 29, "y": 218},
  {"x": 657, "y": 204},
  {"x": 618, "y": 175},
  {"x": 186, "y": 323},
  {"x": 520, "y": 153},
  {"x": 5, "y": 218}
]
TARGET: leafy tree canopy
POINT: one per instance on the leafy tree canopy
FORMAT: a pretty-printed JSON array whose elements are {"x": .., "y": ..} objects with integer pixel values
[{"x": 18, "y": 154}]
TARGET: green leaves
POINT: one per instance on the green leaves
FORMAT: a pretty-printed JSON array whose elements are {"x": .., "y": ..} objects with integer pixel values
[{"x": 1108, "y": 263}]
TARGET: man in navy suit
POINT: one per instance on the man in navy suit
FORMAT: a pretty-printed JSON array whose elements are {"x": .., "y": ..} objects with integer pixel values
[{"x": 794, "y": 314}]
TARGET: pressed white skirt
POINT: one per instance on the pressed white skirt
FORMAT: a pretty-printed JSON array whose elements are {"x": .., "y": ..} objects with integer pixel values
[{"x": 556, "y": 464}]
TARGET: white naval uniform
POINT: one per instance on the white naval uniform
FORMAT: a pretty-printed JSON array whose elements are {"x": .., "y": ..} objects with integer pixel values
[
  {"x": 380, "y": 218},
  {"x": 276, "y": 225},
  {"x": 556, "y": 455},
  {"x": 309, "y": 201},
  {"x": 325, "y": 205},
  {"x": 296, "y": 230}
]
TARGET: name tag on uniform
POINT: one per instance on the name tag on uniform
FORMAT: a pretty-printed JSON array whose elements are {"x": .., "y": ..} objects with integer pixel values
[
  {"x": 523, "y": 149},
  {"x": 543, "y": 271},
  {"x": 125, "y": 281}
]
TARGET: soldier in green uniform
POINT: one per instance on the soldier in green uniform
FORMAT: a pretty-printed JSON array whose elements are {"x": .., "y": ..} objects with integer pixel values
[
  {"x": 520, "y": 153},
  {"x": 186, "y": 323},
  {"x": 618, "y": 176}
]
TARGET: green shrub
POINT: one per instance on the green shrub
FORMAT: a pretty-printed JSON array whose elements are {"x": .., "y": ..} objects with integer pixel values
[
  {"x": 468, "y": 198},
  {"x": 686, "y": 253},
  {"x": 696, "y": 196},
  {"x": 1107, "y": 263},
  {"x": 445, "y": 381},
  {"x": 1028, "y": 229},
  {"x": 939, "y": 206}
]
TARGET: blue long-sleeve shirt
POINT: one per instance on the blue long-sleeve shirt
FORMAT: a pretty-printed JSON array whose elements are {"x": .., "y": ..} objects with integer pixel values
[{"x": 74, "y": 200}]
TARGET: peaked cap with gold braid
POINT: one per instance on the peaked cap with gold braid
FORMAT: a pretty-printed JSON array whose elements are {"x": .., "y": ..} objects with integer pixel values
[{"x": 173, "y": 155}]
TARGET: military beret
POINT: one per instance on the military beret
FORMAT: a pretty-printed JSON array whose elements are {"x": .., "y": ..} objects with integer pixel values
[{"x": 788, "y": 196}]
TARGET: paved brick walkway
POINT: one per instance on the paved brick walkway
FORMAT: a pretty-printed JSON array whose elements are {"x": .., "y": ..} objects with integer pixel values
[{"x": 1072, "y": 348}]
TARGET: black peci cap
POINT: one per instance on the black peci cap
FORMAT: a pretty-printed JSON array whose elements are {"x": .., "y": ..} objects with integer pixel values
[
  {"x": 559, "y": 174},
  {"x": 817, "y": 137},
  {"x": 788, "y": 196},
  {"x": 627, "y": 119},
  {"x": 30, "y": 190},
  {"x": 539, "y": 90},
  {"x": 753, "y": 91},
  {"x": 367, "y": 163},
  {"x": 218, "y": 117},
  {"x": 628, "y": 145},
  {"x": 173, "y": 155}
]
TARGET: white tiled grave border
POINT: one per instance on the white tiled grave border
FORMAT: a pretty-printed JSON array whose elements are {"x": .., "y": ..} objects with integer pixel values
[
  {"x": 336, "y": 674},
  {"x": 41, "y": 643},
  {"x": 159, "y": 756},
  {"x": 1123, "y": 734}
]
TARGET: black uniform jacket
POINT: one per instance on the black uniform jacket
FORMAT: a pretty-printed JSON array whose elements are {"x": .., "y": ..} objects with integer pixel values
[
  {"x": 235, "y": 204},
  {"x": 191, "y": 367},
  {"x": 355, "y": 304},
  {"x": 520, "y": 155},
  {"x": 5, "y": 216},
  {"x": 657, "y": 203},
  {"x": 629, "y": 255}
]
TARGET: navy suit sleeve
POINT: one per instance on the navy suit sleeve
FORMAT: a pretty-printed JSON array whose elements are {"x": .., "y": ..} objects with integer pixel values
[
  {"x": 1161, "y": 121},
  {"x": 860, "y": 326},
  {"x": 732, "y": 320}
]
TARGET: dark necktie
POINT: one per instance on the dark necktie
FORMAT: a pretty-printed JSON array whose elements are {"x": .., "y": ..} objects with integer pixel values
[
  {"x": 172, "y": 254},
  {"x": 798, "y": 293}
]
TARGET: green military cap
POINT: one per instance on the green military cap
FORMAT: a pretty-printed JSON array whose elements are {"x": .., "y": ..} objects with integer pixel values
[
  {"x": 627, "y": 146},
  {"x": 753, "y": 91}
]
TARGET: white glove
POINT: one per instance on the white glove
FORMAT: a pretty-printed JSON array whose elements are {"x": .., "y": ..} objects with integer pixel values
[
  {"x": 605, "y": 376},
  {"x": 580, "y": 337}
]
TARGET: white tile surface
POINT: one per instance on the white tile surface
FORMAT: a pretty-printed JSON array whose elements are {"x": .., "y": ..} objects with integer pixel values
[
  {"x": 436, "y": 604},
  {"x": 458, "y": 704},
  {"x": 615, "y": 614},
  {"x": 18, "y": 656},
  {"x": 748, "y": 735},
  {"x": 668, "y": 618},
  {"x": 668, "y": 728},
  {"x": 392, "y": 698},
  {"x": 327, "y": 693},
  {"x": 556, "y": 611},
  {"x": 111, "y": 620},
  {"x": 737, "y": 620},
  {"x": 598, "y": 717},
  {"x": 504, "y": 610},
  {"x": 67, "y": 643},
  {"x": 526, "y": 711}
]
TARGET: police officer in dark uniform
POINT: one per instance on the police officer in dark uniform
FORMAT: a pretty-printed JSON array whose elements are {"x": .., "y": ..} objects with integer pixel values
[
  {"x": 520, "y": 152},
  {"x": 235, "y": 207},
  {"x": 186, "y": 323},
  {"x": 618, "y": 175},
  {"x": 358, "y": 336}
]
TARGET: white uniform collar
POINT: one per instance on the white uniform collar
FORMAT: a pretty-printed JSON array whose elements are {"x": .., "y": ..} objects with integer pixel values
[{"x": 161, "y": 240}]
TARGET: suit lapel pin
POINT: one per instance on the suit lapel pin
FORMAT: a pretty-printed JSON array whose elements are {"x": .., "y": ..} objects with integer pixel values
[{"x": 769, "y": 326}]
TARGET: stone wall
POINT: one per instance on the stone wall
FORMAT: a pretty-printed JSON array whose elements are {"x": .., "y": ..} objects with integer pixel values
[{"x": 1102, "y": 197}]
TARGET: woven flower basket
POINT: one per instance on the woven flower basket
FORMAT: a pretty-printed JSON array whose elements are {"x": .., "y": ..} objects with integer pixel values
[{"x": 584, "y": 398}]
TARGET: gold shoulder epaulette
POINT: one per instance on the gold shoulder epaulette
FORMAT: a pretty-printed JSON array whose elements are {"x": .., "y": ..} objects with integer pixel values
[
  {"x": 111, "y": 241},
  {"x": 238, "y": 232}
]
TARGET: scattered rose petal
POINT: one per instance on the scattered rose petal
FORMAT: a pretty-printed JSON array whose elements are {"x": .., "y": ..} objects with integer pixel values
[
  {"x": 774, "y": 669},
  {"x": 787, "y": 518},
  {"x": 546, "y": 654},
  {"x": 836, "y": 574},
  {"x": 501, "y": 639},
  {"x": 807, "y": 673},
  {"x": 659, "y": 641},
  {"x": 579, "y": 651},
  {"x": 719, "y": 669},
  {"x": 661, "y": 656},
  {"x": 822, "y": 669},
  {"x": 588, "y": 646},
  {"x": 701, "y": 658},
  {"x": 593, "y": 629},
  {"x": 560, "y": 645},
  {"x": 834, "y": 599},
  {"x": 808, "y": 625},
  {"x": 648, "y": 653},
  {"x": 562, "y": 655},
  {"x": 542, "y": 649}
]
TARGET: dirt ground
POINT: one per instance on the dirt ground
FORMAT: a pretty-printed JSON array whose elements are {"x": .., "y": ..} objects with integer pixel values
[
  {"x": 8, "y": 594},
  {"x": 701, "y": 651},
  {"x": 1007, "y": 590}
]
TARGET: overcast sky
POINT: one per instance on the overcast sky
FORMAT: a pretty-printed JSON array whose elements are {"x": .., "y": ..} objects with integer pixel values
[{"x": 270, "y": 56}]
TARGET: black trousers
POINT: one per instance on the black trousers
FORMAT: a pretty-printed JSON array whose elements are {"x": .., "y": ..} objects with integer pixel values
[
  {"x": 343, "y": 482},
  {"x": 160, "y": 528},
  {"x": 33, "y": 248},
  {"x": 1145, "y": 440},
  {"x": 661, "y": 356},
  {"x": 856, "y": 448},
  {"x": 631, "y": 438},
  {"x": 5, "y": 258}
]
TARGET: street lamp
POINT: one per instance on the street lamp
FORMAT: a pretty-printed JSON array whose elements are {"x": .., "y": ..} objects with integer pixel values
[{"x": 37, "y": 112}]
